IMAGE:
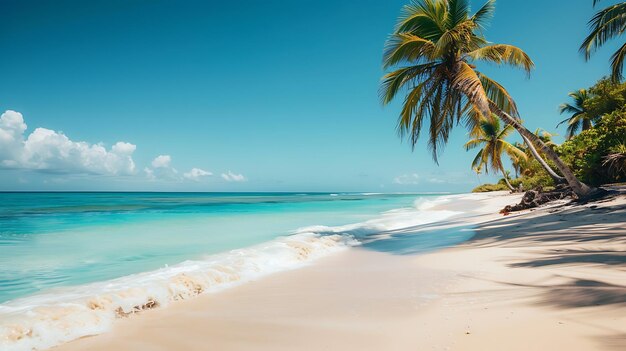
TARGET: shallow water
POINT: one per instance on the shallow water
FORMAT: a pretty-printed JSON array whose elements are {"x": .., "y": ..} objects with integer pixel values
[{"x": 70, "y": 263}]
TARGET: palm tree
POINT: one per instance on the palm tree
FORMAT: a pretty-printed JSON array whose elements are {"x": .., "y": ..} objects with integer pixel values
[
  {"x": 580, "y": 119},
  {"x": 605, "y": 25},
  {"x": 433, "y": 50},
  {"x": 491, "y": 137},
  {"x": 530, "y": 148}
]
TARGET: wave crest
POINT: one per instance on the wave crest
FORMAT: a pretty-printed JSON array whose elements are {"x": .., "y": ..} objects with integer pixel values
[{"x": 46, "y": 320}]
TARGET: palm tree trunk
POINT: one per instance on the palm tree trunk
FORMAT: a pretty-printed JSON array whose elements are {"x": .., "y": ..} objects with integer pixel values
[
  {"x": 579, "y": 188},
  {"x": 506, "y": 180},
  {"x": 557, "y": 178}
]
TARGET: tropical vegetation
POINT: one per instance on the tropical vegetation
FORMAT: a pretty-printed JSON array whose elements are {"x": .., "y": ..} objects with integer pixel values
[
  {"x": 432, "y": 55},
  {"x": 580, "y": 119},
  {"x": 491, "y": 137},
  {"x": 597, "y": 155}
]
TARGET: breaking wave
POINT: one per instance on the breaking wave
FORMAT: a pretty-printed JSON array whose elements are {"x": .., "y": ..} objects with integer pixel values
[{"x": 60, "y": 315}]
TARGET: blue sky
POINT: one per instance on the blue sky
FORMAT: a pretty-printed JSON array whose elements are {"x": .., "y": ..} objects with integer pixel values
[{"x": 263, "y": 95}]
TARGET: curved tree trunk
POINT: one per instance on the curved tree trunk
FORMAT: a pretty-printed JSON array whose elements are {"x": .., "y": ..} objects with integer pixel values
[
  {"x": 557, "y": 178},
  {"x": 506, "y": 179},
  {"x": 581, "y": 189},
  {"x": 487, "y": 108}
]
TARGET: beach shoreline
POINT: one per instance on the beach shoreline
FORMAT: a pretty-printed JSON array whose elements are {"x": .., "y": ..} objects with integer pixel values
[{"x": 545, "y": 279}]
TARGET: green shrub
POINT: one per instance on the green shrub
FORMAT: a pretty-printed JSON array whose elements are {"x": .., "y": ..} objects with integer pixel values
[
  {"x": 538, "y": 179},
  {"x": 484, "y": 188},
  {"x": 586, "y": 152}
]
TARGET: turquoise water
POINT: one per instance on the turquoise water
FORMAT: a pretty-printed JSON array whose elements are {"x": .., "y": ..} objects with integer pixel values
[
  {"x": 73, "y": 263},
  {"x": 52, "y": 240}
]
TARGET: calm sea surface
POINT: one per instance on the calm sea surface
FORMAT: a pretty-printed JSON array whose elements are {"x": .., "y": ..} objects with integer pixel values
[{"x": 50, "y": 240}]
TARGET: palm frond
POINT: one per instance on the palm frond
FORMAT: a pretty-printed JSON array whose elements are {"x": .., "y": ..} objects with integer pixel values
[
  {"x": 573, "y": 126},
  {"x": 503, "y": 54},
  {"x": 406, "y": 47},
  {"x": 474, "y": 143},
  {"x": 568, "y": 108},
  {"x": 617, "y": 63},
  {"x": 457, "y": 12},
  {"x": 512, "y": 151},
  {"x": 498, "y": 95},
  {"x": 425, "y": 18},
  {"x": 467, "y": 81},
  {"x": 394, "y": 81},
  {"x": 579, "y": 118},
  {"x": 478, "y": 161},
  {"x": 605, "y": 25},
  {"x": 472, "y": 118},
  {"x": 484, "y": 14}
]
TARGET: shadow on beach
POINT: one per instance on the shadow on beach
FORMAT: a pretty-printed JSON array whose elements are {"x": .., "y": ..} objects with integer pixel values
[
  {"x": 581, "y": 236},
  {"x": 579, "y": 248}
]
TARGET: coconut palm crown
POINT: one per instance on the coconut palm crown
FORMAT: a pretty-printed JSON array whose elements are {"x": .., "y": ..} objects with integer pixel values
[
  {"x": 433, "y": 51},
  {"x": 492, "y": 137},
  {"x": 580, "y": 119},
  {"x": 607, "y": 24}
]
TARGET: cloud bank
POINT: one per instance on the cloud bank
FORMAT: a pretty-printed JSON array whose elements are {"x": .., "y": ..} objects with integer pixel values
[
  {"x": 48, "y": 151},
  {"x": 51, "y": 151}
]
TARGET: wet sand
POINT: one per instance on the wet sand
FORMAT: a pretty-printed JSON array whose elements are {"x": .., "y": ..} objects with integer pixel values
[{"x": 551, "y": 279}]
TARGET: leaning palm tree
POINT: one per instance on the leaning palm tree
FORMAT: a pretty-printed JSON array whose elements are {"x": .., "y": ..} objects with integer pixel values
[
  {"x": 580, "y": 119},
  {"x": 605, "y": 25},
  {"x": 491, "y": 137},
  {"x": 433, "y": 50},
  {"x": 530, "y": 148}
]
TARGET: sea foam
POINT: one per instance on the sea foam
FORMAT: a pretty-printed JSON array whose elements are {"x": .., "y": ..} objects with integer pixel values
[
  {"x": 45, "y": 320},
  {"x": 60, "y": 315}
]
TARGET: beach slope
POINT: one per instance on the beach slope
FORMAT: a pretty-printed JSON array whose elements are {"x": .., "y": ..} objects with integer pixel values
[{"x": 550, "y": 279}]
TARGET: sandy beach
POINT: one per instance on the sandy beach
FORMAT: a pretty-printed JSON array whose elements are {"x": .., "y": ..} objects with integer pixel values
[
  {"x": 548, "y": 279},
  {"x": 344, "y": 176}
]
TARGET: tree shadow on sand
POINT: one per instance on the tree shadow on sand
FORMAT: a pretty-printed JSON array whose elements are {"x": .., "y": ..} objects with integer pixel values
[
  {"x": 572, "y": 236},
  {"x": 570, "y": 225},
  {"x": 581, "y": 235}
]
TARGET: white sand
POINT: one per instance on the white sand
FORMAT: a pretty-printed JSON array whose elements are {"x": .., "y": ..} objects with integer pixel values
[{"x": 535, "y": 281}]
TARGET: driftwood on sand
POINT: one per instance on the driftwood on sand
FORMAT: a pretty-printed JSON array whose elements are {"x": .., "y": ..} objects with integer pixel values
[{"x": 537, "y": 197}]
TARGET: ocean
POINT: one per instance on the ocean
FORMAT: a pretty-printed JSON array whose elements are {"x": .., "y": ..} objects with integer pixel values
[{"x": 70, "y": 263}]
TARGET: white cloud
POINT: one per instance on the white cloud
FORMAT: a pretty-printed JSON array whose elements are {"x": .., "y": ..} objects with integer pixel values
[
  {"x": 407, "y": 179},
  {"x": 436, "y": 180},
  {"x": 162, "y": 161},
  {"x": 161, "y": 169},
  {"x": 52, "y": 151},
  {"x": 149, "y": 173},
  {"x": 233, "y": 177},
  {"x": 49, "y": 150},
  {"x": 196, "y": 174}
]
